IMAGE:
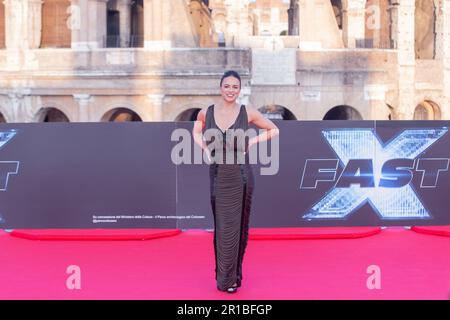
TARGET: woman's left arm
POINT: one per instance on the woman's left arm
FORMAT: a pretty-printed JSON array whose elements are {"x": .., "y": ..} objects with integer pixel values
[{"x": 271, "y": 130}]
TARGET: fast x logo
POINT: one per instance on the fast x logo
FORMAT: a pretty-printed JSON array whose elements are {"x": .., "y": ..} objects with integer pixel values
[
  {"x": 7, "y": 167},
  {"x": 374, "y": 172}
]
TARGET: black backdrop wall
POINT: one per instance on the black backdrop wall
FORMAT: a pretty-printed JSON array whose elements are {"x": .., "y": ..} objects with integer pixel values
[{"x": 121, "y": 175}]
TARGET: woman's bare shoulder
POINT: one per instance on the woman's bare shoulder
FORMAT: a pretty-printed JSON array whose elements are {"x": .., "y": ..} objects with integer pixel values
[
  {"x": 251, "y": 111},
  {"x": 201, "y": 116}
]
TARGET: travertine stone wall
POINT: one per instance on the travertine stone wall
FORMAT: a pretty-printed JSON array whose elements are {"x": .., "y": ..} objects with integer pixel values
[{"x": 179, "y": 67}]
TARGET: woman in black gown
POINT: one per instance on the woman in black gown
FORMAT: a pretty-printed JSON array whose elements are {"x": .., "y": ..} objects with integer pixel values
[{"x": 231, "y": 183}]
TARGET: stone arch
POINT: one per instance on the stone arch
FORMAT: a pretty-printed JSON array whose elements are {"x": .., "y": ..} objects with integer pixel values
[
  {"x": 51, "y": 114},
  {"x": 220, "y": 27},
  {"x": 121, "y": 114},
  {"x": 277, "y": 112},
  {"x": 343, "y": 112},
  {"x": 269, "y": 17},
  {"x": 425, "y": 29},
  {"x": 188, "y": 114},
  {"x": 427, "y": 110},
  {"x": 220, "y": 21}
]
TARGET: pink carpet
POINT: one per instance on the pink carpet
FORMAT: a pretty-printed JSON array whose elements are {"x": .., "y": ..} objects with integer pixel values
[
  {"x": 94, "y": 234},
  {"x": 413, "y": 266},
  {"x": 443, "y": 231},
  {"x": 147, "y": 234},
  {"x": 312, "y": 233}
]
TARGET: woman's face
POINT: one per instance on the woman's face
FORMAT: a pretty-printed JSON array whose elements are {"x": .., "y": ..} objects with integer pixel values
[{"x": 230, "y": 89}]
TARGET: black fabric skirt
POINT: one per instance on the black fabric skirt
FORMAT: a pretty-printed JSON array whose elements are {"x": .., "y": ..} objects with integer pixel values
[{"x": 231, "y": 196}]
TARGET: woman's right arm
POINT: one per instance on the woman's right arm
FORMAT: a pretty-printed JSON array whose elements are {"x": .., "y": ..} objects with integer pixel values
[{"x": 198, "y": 128}]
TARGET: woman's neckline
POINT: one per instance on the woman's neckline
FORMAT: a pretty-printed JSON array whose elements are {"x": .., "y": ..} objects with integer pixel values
[{"x": 235, "y": 120}]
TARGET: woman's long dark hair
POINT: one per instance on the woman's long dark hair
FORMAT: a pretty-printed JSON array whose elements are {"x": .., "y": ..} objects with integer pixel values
[{"x": 231, "y": 73}]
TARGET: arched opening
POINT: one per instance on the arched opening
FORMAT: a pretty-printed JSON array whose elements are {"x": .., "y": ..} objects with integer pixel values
[
  {"x": 112, "y": 25},
  {"x": 425, "y": 33},
  {"x": 427, "y": 110},
  {"x": 338, "y": 12},
  {"x": 55, "y": 31},
  {"x": 201, "y": 18},
  {"x": 2, "y": 25},
  {"x": 137, "y": 24},
  {"x": 284, "y": 33},
  {"x": 293, "y": 16},
  {"x": 343, "y": 112},
  {"x": 124, "y": 24},
  {"x": 188, "y": 115},
  {"x": 378, "y": 25},
  {"x": 121, "y": 115},
  {"x": 220, "y": 25},
  {"x": 2, "y": 118},
  {"x": 270, "y": 18},
  {"x": 51, "y": 115},
  {"x": 277, "y": 112}
]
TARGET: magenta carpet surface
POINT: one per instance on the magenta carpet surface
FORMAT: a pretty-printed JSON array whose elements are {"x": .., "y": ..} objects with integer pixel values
[
  {"x": 443, "y": 231},
  {"x": 94, "y": 234},
  {"x": 147, "y": 234},
  {"x": 412, "y": 266},
  {"x": 312, "y": 233}
]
